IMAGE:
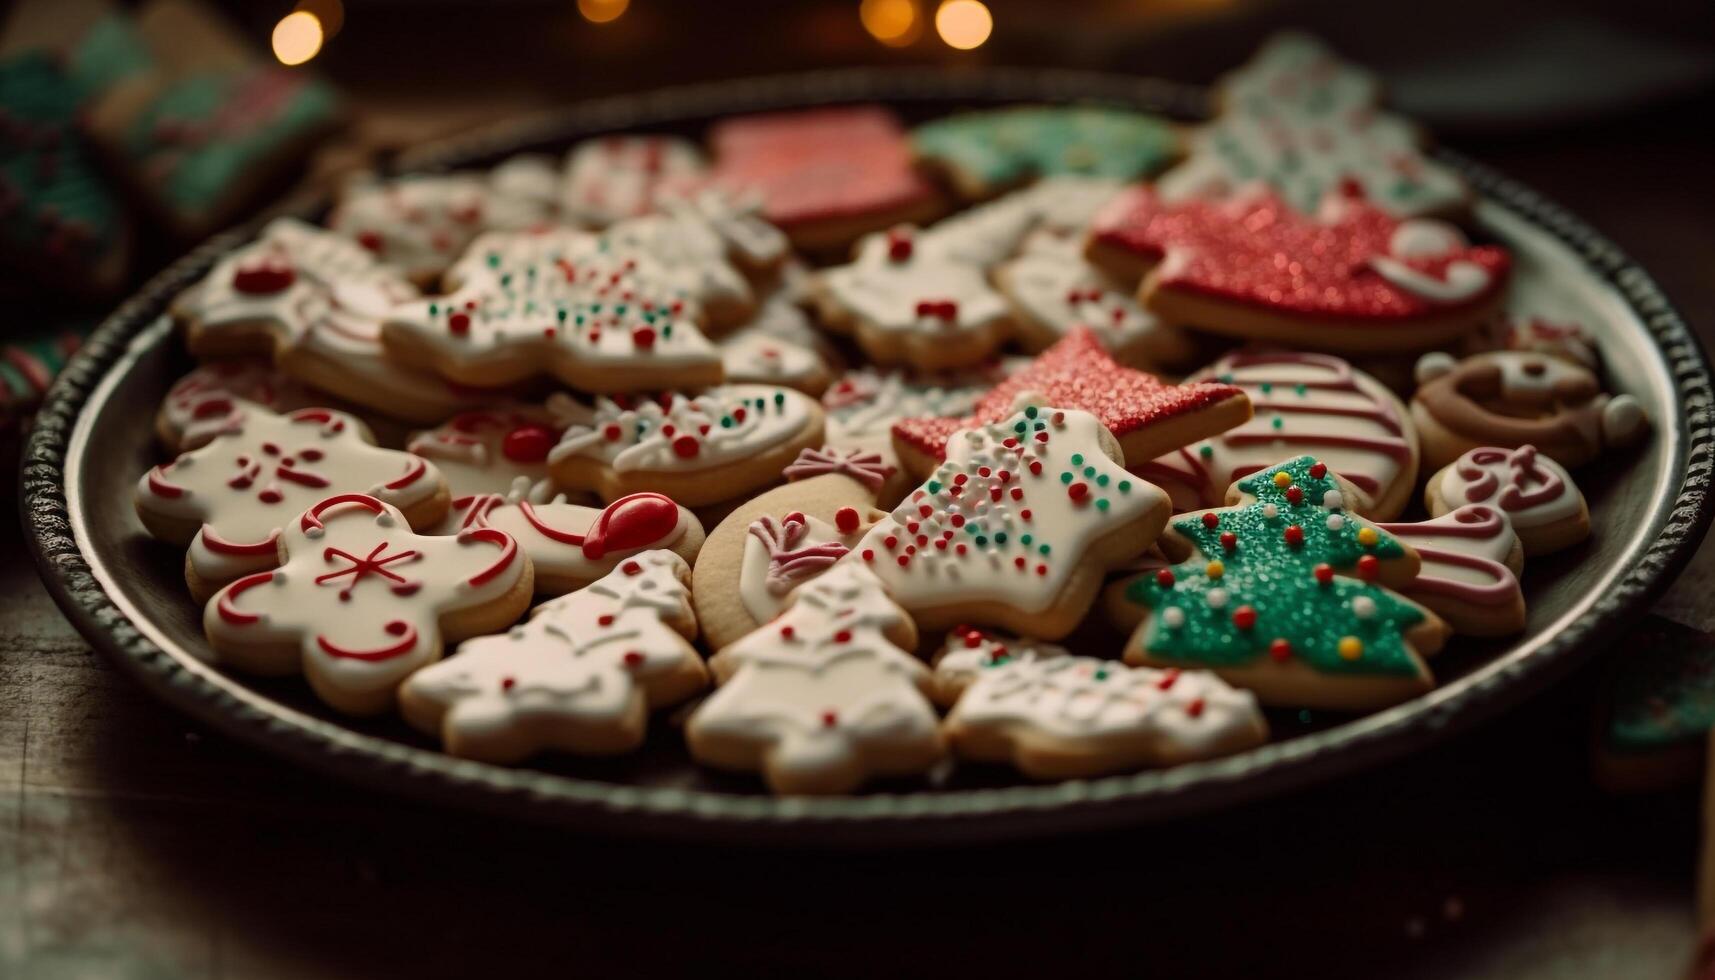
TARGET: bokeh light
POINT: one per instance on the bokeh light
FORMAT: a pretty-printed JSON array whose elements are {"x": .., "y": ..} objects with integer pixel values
[
  {"x": 602, "y": 11},
  {"x": 297, "y": 37},
  {"x": 895, "y": 23},
  {"x": 963, "y": 24}
]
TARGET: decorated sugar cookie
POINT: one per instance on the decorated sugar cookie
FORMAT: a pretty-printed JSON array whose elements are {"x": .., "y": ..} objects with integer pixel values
[
  {"x": 692, "y": 260},
  {"x": 611, "y": 178},
  {"x": 1146, "y": 415},
  {"x": 1017, "y": 526},
  {"x": 1077, "y": 717},
  {"x": 1053, "y": 288},
  {"x": 1535, "y": 494},
  {"x": 359, "y": 601},
  {"x": 1303, "y": 403},
  {"x": 984, "y": 152},
  {"x": 313, "y": 302},
  {"x": 1308, "y": 125},
  {"x": 1286, "y": 594},
  {"x": 228, "y": 499},
  {"x": 968, "y": 653},
  {"x": 556, "y": 303},
  {"x": 1569, "y": 339},
  {"x": 488, "y": 451},
  {"x": 824, "y": 176},
  {"x": 781, "y": 539},
  {"x": 1354, "y": 278},
  {"x": 697, "y": 450},
  {"x": 581, "y": 676},
  {"x": 1516, "y": 398},
  {"x": 530, "y": 179},
  {"x": 752, "y": 243},
  {"x": 1657, "y": 708},
  {"x": 571, "y": 545},
  {"x": 824, "y": 698},
  {"x": 423, "y": 223},
  {"x": 1471, "y": 563},
  {"x": 202, "y": 403},
  {"x": 752, "y": 355}
]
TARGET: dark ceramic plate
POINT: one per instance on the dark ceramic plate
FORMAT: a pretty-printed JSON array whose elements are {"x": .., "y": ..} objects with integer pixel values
[{"x": 125, "y": 593}]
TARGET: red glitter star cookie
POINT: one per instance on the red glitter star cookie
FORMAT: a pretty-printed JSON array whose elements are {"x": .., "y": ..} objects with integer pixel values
[
  {"x": 1147, "y": 415},
  {"x": 1351, "y": 278}
]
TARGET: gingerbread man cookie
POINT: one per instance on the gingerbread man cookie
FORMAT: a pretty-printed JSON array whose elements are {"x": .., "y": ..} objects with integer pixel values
[
  {"x": 824, "y": 698},
  {"x": 698, "y": 450},
  {"x": 228, "y": 499},
  {"x": 421, "y": 224},
  {"x": 1079, "y": 717},
  {"x": 970, "y": 652},
  {"x": 1471, "y": 563},
  {"x": 1017, "y": 526},
  {"x": 571, "y": 545},
  {"x": 581, "y": 676},
  {"x": 1314, "y": 403},
  {"x": 1286, "y": 594},
  {"x": 611, "y": 178},
  {"x": 781, "y": 539},
  {"x": 1534, "y": 493},
  {"x": 1352, "y": 278},
  {"x": 1517, "y": 398},
  {"x": 359, "y": 601},
  {"x": 202, "y": 403}
]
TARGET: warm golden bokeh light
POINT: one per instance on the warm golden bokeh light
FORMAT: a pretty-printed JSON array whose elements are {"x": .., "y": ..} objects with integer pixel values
[
  {"x": 963, "y": 24},
  {"x": 602, "y": 11},
  {"x": 895, "y": 23},
  {"x": 297, "y": 37}
]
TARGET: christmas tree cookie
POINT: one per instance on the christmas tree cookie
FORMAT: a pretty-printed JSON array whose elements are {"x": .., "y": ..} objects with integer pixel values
[
  {"x": 581, "y": 676},
  {"x": 1017, "y": 526},
  {"x": 982, "y": 153},
  {"x": 1285, "y": 593},
  {"x": 824, "y": 698}
]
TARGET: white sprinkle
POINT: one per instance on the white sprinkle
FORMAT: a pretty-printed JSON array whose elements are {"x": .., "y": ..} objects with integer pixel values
[
  {"x": 1217, "y": 598},
  {"x": 1336, "y": 522},
  {"x": 1332, "y": 500},
  {"x": 384, "y": 519},
  {"x": 1173, "y": 616},
  {"x": 1270, "y": 511},
  {"x": 1363, "y": 607}
]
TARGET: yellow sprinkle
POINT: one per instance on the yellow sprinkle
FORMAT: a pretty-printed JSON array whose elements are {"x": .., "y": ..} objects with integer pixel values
[
  {"x": 1351, "y": 647},
  {"x": 1367, "y": 536},
  {"x": 1215, "y": 569},
  {"x": 1282, "y": 478}
]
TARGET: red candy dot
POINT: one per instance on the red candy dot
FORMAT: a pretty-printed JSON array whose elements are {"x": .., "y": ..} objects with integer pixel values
[
  {"x": 528, "y": 444},
  {"x": 1294, "y": 495},
  {"x": 263, "y": 278},
  {"x": 1280, "y": 650},
  {"x": 643, "y": 338},
  {"x": 1369, "y": 567},
  {"x": 633, "y": 658},
  {"x": 1164, "y": 578},
  {"x": 459, "y": 323},
  {"x": 1318, "y": 470},
  {"x": 786, "y": 632},
  {"x": 1211, "y": 519},
  {"x": 631, "y": 568},
  {"x": 1078, "y": 491},
  {"x": 1324, "y": 573},
  {"x": 686, "y": 447},
  {"x": 1294, "y": 535},
  {"x": 1229, "y": 540},
  {"x": 1244, "y": 617},
  {"x": 843, "y": 636},
  {"x": 846, "y": 519},
  {"x": 605, "y": 619},
  {"x": 830, "y": 719}
]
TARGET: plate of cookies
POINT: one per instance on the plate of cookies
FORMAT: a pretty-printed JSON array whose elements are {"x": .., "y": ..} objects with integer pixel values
[{"x": 881, "y": 456}]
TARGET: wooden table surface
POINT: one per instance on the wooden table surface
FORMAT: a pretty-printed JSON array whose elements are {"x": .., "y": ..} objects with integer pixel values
[{"x": 133, "y": 843}]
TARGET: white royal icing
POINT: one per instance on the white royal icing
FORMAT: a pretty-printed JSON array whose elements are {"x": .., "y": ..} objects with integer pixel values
[
  {"x": 719, "y": 426},
  {"x": 488, "y": 450},
  {"x": 969, "y": 653},
  {"x": 575, "y": 542},
  {"x": 421, "y": 223},
  {"x": 1423, "y": 238},
  {"x": 864, "y": 403},
  {"x": 781, "y": 553},
  {"x": 1463, "y": 556},
  {"x": 1059, "y": 290},
  {"x": 610, "y": 178},
  {"x": 1530, "y": 489},
  {"x": 910, "y": 288},
  {"x": 204, "y": 402},
  {"x": 689, "y": 255},
  {"x": 750, "y": 355}
]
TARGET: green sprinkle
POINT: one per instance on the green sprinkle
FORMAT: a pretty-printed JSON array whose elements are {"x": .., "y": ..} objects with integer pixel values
[
  {"x": 1125, "y": 486},
  {"x": 1042, "y": 550},
  {"x": 1030, "y": 411},
  {"x": 1066, "y": 477},
  {"x": 1077, "y": 459},
  {"x": 1000, "y": 537},
  {"x": 1024, "y": 539},
  {"x": 1205, "y": 450},
  {"x": 726, "y": 421},
  {"x": 1102, "y": 503},
  {"x": 1266, "y": 387},
  {"x": 1278, "y": 422},
  {"x": 1102, "y": 481},
  {"x": 1089, "y": 471},
  {"x": 934, "y": 486}
]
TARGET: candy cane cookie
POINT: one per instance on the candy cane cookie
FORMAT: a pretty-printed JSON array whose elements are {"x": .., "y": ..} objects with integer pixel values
[{"x": 1535, "y": 494}]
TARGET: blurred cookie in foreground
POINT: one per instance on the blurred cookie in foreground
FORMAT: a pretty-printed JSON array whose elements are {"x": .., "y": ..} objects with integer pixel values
[{"x": 1656, "y": 708}]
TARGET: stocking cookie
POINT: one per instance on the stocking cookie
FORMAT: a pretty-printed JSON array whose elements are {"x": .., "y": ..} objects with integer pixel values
[
  {"x": 981, "y": 153},
  {"x": 1285, "y": 594},
  {"x": 1146, "y": 415},
  {"x": 423, "y": 223},
  {"x": 1017, "y": 526},
  {"x": 611, "y": 178},
  {"x": 313, "y": 302},
  {"x": 581, "y": 676},
  {"x": 1079, "y": 717},
  {"x": 1353, "y": 278},
  {"x": 1471, "y": 563},
  {"x": 1517, "y": 398},
  {"x": 968, "y": 653},
  {"x": 824, "y": 698},
  {"x": 571, "y": 545},
  {"x": 698, "y": 450},
  {"x": 555, "y": 303},
  {"x": 776, "y": 542},
  {"x": 228, "y": 499},
  {"x": 1053, "y": 288},
  {"x": 1309, "y": 403},
  {"x": 824, "y": 176},
  {"x": 203, "y": 403},
  {"x": 1533, "y": 492},
  {"x": 360, "y": 601}
]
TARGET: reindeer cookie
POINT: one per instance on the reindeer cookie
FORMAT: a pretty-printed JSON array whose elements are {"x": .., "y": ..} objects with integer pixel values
[
  {"x": 581, "y": 676},
  {"x": 1534, "y": 493},
  {"x": 359, "y": 601}
]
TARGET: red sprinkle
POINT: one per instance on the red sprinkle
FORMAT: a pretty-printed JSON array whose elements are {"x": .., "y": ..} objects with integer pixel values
[
  {"x": 1280, "y": 650},
  {"x": 1318, "y": 470},
  {"x": 1369, "y": 567},
  {"x": 1211, "y": 519},
  {"x": 1229, "y": 540},
  {"x": 1164, "y": 578},
  {"x": 1294, "y": 535},
  {"x": 1324, "y": 573}
]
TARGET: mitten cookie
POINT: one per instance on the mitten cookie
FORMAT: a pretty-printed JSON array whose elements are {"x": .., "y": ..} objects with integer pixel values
[
  {"x": 1471, "y": 563},
  {"x": 983, "y": 153},
  {"x": 360, "y": 601},
  {"x": 1079, "y": 717},
  {"x": 968, "y": 653},
  {"x": 571, "y": 545},
  {"x": 1303, "y": 403},
  {"x": 721, "y": 444},
  {"x": 778, "y": 541},
  {"x": 581, "y": 676},
  {"x": 1535, "y": 494},
  {"x": 1017, "y": 526},
  {"x": 1283, "y": 594},
  {"x": 228, "y": 499},
  {"x": 1516, "y": 398},
  {"x": 824, "y": 698},
  {"x": 1352, "y": 278}
]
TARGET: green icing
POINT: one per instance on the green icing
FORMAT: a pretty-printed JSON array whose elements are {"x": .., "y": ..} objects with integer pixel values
[
  {"x": 1277, "y": 580},
  {"x": 111, "y": 51},
  {"x": 53, "y": 201},
  {"x": 1004, "y": 146},
  {"x": 1663, "y": 690}
]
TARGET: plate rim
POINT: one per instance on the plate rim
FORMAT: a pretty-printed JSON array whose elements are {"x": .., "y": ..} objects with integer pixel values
[{"x": 880, "y": 818}]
